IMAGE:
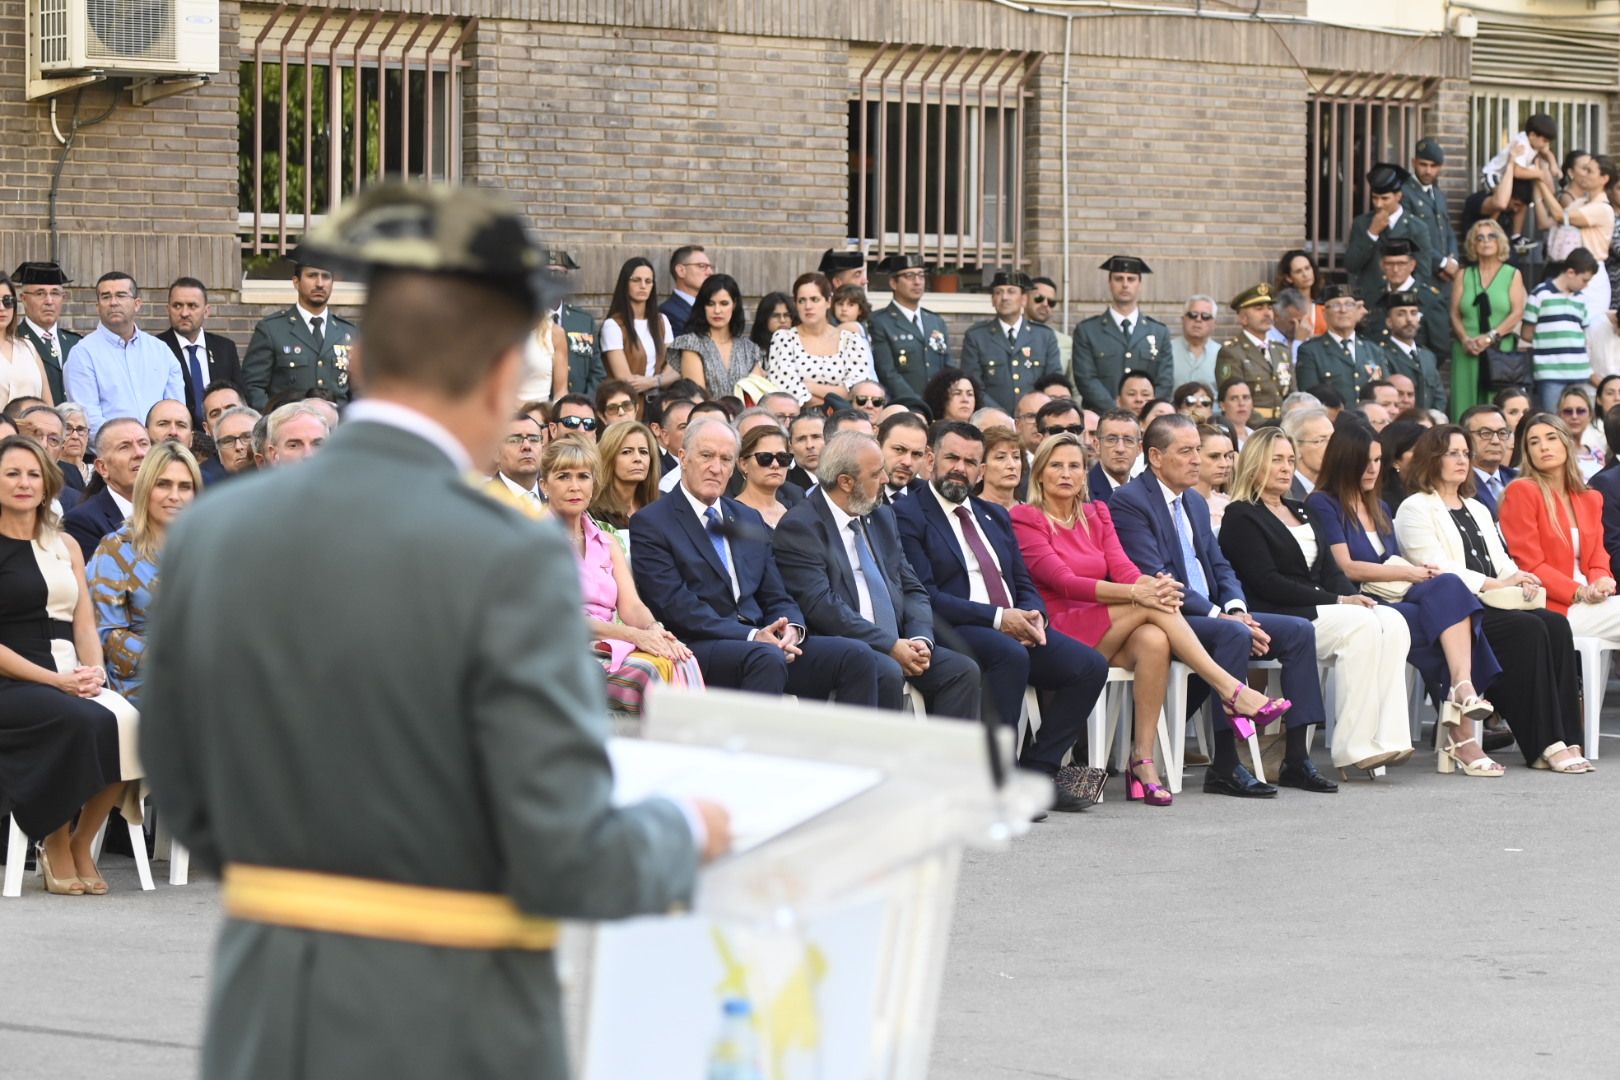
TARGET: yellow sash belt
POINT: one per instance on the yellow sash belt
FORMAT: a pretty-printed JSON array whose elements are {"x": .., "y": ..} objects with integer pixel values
[{"x": 387, "y": 910}]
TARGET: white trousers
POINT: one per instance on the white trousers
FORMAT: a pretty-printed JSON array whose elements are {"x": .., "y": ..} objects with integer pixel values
[
  {"x": 1602, "y": 346},
  {"x": 1368, "y": 647},
  {"x": 1597, "y": 620}
]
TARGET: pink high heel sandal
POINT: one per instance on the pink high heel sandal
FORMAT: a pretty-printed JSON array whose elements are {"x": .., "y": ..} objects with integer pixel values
[{"x": 1152, "y": 794}]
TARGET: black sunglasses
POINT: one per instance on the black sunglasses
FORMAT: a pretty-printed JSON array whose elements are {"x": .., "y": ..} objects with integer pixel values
[
  {"x": 1044, "y": 301},
  {"x": 8, "y": 301},
  {"x": 1199, "y": 316},
  {"x": 766, "y": 460},
  {"x": 874, "y": 402},
  {"x": 578, "y": 423},
  {"x": 1061, "y": 429}
]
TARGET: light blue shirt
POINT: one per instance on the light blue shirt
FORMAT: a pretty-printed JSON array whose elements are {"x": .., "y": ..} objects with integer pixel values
[
  {"x": 1194, "y": 367},
  {"x": 110, "y": 377}
]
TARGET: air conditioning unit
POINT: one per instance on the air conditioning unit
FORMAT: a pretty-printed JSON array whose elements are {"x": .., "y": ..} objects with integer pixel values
[{"x": 127, "y": 37}]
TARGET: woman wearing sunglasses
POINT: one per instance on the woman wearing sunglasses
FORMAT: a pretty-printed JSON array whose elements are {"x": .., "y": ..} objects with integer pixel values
[
  {"x": 764, "y": 462},
  {"x": 1575, "y": 409},
  {"x": 1194, "y": 400},
  {"x": 22, "y": 374}
]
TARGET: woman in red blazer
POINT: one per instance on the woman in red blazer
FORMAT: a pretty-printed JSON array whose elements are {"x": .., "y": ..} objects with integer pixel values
[
  {"x": 1093, "y": 592},
  {"x": 1537, "y": 511}
]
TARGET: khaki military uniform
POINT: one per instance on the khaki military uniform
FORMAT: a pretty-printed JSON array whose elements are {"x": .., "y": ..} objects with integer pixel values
[{"x": 1266, "y": 368}]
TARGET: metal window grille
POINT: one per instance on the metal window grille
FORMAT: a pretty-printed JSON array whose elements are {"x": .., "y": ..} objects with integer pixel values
[
  {"x": 1499, "y": 113},
  {"x": 332, "y": 100},
  {"x": 937, "y": 153},
  {"x": 1353, "y": 122}
]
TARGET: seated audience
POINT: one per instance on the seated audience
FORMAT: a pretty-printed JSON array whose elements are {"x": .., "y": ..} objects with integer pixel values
[
  {"x": 1153, "y": 410},
  {"x": 169, "y": 421},
  {"x": 634, "y": 648},
  {"x": 294, "y": 432},
  {"x": 1194, "y": 400},
  {"x": 870, "y": 398},
  {"x": 1054, "y": 384},
  {"x": 781, "y": 407},
  {"x": 517, "y": 464},
  {"x": 764, "y": 466},
  {"x": 712, "y": 349},
  {"x": 1607, "y": 485},
  {"x": 903, "y": 438},
  {"x": 1119, "y": 437},
  {"x": 806, "y": 438},
  {"x": 1237, "y": 406},
  {"x": 1441, "y": 524},
  {"x": 1281, "y": 555},
  {"x": 70, "y": 743},
  {"x": 703, "y": 564},
  {"x": 990, "y": 417},
  {"x": 1097, "y": 596},
  {"x": 1309, "y": 430},
  {"x": 840, "y": 556},
  {"x": 121, "y": 446},
  {"x": 218, "y": 396},
  {"x": 573, "y": 413},
  {"x": 967, "y": 559},
  {"x": 775, "y": 312},
  {"x": 953, "y": 394},
  {"x": 1003, "y": 468},
  {"x": 45, "y": 426},
  {"x": 1397, "y": 440},
  {"x": 76, "y": 471},
  {"x": 631, "y": 472},
  {"x": 1135, "y": 392},
  {"x": 1514, "y": 401},
  {"x": 1591, "y": 450},
  {"x": 1216, "y": 458},
  {"x": 668, "y": 418},
  {"x": 123, "y": 573},
  {"x": 814, "y": 358},
  {"x": 616, "y": 400},
  {"x": 233, "y": 444}
]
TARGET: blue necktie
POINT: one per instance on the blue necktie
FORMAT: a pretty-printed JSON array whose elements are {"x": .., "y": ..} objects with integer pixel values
[
  {"x": 719, "y": 541},
  {"x": 1196, "y": 581},
  {"x": 196, "y": 379},
  {"x": 876, "y": 587}
]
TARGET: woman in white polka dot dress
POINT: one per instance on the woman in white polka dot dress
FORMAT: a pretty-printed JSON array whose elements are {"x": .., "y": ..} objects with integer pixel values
[{"x": 816, "y": 358}]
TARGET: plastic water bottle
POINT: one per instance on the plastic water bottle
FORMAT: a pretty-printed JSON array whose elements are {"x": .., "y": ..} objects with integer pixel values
[{"x": 736, "y": 1052}]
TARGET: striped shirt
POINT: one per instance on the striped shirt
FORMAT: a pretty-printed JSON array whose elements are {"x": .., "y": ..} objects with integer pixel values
[{"x": 1558, "y": 348}]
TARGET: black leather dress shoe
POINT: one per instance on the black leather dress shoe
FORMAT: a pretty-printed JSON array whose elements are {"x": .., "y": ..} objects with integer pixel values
[
  {"x": 1240, "y": 783},
  {"x": 1303, "y": 775},
  {"x": 1066, "y": 803}
]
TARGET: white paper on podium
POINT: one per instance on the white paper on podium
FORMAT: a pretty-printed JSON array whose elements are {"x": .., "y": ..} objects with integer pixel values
[{"x": 767, "y": 795}]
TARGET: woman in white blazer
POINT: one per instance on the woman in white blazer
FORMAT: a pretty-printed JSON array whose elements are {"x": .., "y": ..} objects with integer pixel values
[{"x": 1440, "y": 523}]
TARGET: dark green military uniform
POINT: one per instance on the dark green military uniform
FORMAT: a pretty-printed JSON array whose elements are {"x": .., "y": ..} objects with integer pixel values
[
  {"x": 1008, "y": 367},
  {"x": 1419, "y": 365},
  {"x": 1362, "y": 254},
  {"x": 1103, "y": 356},
  {"x": 1267, "y": 369},
  {"x": 585, "y": 370},
  {"x": 1430, "y": 207},
  {"x": 283, "y": 355},
  {"x": 54, "y": 355},
  {"x": 1346, "y": 366},
  {"x": 1434, "y": 331},
  {"x": 905, "y": 357}
]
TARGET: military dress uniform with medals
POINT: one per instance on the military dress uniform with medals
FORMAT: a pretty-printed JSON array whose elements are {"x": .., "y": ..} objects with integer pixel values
[
  {"x": 1431, "y": 207},
  {"x": 1362, "y": 253},
  {"x": 1344, "y": 364},
  {"x": 1104, "y": 353},
  {"x": 53, "y": 352},
  {"x": 1009, "y": 362},
  {"x": 906, "y": 353},
  {"x": 1267, "y": 367},
  {"x": 286, "y": 354},
  {"x": 585, "y": 369}
]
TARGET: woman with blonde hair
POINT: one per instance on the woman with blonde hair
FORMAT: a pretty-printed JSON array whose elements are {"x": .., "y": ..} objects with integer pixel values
[
  {"x": 1003, "y": 466},
  {"x": 630, "y": 474},
  {"x": 1284, "y": 560},
  {"x": 69, "y": 743},
  {"x": 633, "y": 647},
  {"x": 1487, "y": 304},
  {"x": 1093, "y": 592}
]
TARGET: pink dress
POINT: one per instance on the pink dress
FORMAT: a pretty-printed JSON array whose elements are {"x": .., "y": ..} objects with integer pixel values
[
  {"x": 600, "y": 590},
  {"x": 1067, "y": 563}
]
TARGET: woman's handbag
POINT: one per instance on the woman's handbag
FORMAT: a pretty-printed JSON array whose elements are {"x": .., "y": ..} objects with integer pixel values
[
  {"x": 1562, "y": 240},
  {"x": 1512, "y": 598},
  {"x": 1388, "y": 591},
  {"x": 1506, "y": 368}
]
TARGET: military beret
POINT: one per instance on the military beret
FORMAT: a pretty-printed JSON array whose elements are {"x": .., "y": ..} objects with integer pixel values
[
  {"x": 839, "y": 262},
  {"x": 464, "y": 232},
  {"x": 1254, "y": 296},
  {"x": 1429, "y": 150},
  {"x": 1385, "y": 179},
  {"x": 1393, "y": 300},
  {"x": 1016, "y": 278},
  {"x": 1395, "y": 247},
  {"x": 40, "y": 273},
  {"x": 1340, "y": 292},
  {"x": 1125, "y": 264},
  {"x": 899, "y": 264}
]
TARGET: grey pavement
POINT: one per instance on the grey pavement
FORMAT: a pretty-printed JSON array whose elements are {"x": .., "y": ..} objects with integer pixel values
[{"x": 1420, "y": 925}]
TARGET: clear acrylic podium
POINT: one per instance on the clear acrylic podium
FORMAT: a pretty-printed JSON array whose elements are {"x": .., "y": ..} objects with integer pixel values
[{"x": 835, "y": 931}]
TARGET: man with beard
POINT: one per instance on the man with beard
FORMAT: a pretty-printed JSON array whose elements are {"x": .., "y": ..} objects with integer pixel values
[
  {"x": 840, "y": 557},
  {"x": 903, "y": 438},
  {"x": 301, "y": 347}
]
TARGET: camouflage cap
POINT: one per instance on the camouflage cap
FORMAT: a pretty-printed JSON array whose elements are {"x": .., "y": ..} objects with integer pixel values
[{"x": 464, "y": 232}]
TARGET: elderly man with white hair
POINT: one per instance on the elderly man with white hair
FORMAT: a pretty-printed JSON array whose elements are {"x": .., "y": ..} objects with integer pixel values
[
  {"x": 1193, "y": 350},
  {"x": 294, "y": 432},
  {"x": 1310, "y": 428}
]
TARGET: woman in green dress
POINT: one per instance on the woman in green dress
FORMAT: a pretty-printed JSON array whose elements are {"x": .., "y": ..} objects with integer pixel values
[{"x": 1487, "y": 302}]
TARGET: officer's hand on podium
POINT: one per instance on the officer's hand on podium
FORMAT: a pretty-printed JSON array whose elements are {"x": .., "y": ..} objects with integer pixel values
[{"x": 716, "y": 827}]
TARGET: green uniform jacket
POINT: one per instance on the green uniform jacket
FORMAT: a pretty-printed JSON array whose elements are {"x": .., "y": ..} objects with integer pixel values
[
  {"x": 1434, "y": 331},
  {"x": 1431, "y": 208},
  {"x": 53, "y": 361},
  {"x": 1362, "y": 260},
  {"x": 282, "y": 356},
  {"x": 903, "y": 359},
  {"x": 1007, "y": 370},
  {"x": 1268, "y": 369},
  {"x": 585, "y": 370},
  {"x": 1322, "y": 361},
  {"x": 417, "y": 703},
  {"x": 1102, "y": 357},
  {"x": 1419, "y": 366}
]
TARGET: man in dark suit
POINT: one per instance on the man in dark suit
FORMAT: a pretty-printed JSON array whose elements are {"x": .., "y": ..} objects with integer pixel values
[
  {"x": 1492, "y": 443},
  {"x": 964, "y": 553},
  {"x": 1163, "y": 525},
  {"x": 806, "y": 438},
  {"x": 304, "y": 347},
  {"x": 903, "y": 438},
  {"x": 689, "y": 268},
  {"x": 1119, "y": 446},
  {"x": 840, "y": 557},
  {"x": 45, "y": 426},
  {"x": 703, "y": 564},
  {"x": 121, "y": 446},
  {"x": 205, "y": 358},
  {"x": 42, "y": 287}
]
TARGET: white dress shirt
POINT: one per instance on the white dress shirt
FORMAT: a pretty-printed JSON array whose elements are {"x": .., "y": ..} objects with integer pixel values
[
  {"x": 847, "y": 535},
  {"x": 1170, "y": 498},
  {"x": 48, "y": 337},
  {"x": 978, "y": 592},
  {"x": 203, "y": 359},
  {"x": 325, "y": 315},
  {"x": 521, "y": 492},
  {"x": 701, "y": 509},
  {"x": 125, "y": 507},
  {"x": 1135, "y": 315},
  {"x": 1393, "y": 218}
]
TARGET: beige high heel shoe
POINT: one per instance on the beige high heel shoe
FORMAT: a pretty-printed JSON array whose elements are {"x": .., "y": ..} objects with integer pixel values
[
  {"x": 1472, "y": 706},
  {"x": 1572, "y": 766},
  {"x": 1449, "y": 760},
  {"x": 58, "y": 886}
]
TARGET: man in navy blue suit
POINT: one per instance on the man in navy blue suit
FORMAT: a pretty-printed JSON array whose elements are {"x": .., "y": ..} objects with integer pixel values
[
  {"x": 840, "y": 556},
  {"x": 45, "y": 426},
  {"x": 121, "y": 446},
  {"x": 1163, "y": 525},
  {"x": 703, "y": 564},
  {"x": 1119, "y": 445},
  {"x": 1492, "y": 442},
  {"x": 963, "y": 552}
]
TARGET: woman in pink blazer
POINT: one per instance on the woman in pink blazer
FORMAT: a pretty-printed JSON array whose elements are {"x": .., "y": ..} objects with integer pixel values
[{"x": 1093, "y": 592}]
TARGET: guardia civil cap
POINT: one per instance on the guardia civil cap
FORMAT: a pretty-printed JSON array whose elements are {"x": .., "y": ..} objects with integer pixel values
[
  {"x": 1016, "y": 278},
  {"x": 1429, "y": 150},
  {"x": 840, "y": 262},
  {"x": 1395, "y": 246},
  {"x": 1393, "y": 300},
  {"x": 1386, "y": 179},
  {"x": 40, "y": 273},
  {"x": 463, "y": 232},
  {"x": 1125, "y": 264},
  {"x": 899, "y": 264},
  {"x": 1254, "y": 296},
  {"x": 1340, "y": 292}
]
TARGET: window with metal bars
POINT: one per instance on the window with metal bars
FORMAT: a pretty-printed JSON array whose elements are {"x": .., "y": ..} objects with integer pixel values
[
  {"x": 1497, "y": 114},
  {"x": 331, "y": 101}
]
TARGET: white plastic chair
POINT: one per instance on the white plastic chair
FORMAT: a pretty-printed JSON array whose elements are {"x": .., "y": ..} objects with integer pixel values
[
  {"x": 16, "y": 855},
  {"x": 1595, "y": 661},
  {"x": 912, "y": 700},
  {"x": 1175, "y": 703}
]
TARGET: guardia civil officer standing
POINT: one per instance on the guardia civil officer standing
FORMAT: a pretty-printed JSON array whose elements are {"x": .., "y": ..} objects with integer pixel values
[
  {"x": 1121, "y": 339},
  {"x": 399, "y": 764},
  {"x": 1008, "y": 353},
  {"x": 305, "y": 347},
  {"x": 909, "y": 343}
]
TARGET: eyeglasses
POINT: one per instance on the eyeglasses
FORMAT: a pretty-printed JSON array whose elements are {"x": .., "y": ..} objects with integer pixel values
[
  {"x": 699, "y": 265},
  {"x": 77, "y": 429},
  {"x": 1199, "y": 316},
  {"x": 1120, "y": 440},
  {"x": 231, "y": 442},
  {"x": 908, "y": 275},
  {"x": 1457, "y": 455},
  {"x": 1198, "y": 402},
  {"x": 1065, "y": 429},
  {"x": 1574, "y": 410},
  {"x": 1492, "y": 434},
  {"x": 1043, "y": 301},
  {"x": 1342, "y": 305},
  {"x": 519, "y": 440},
  {"x": 1312, "y": 442},
  {"x": 784, "y": 418},
  {"x": 619, "y": 408},
  {"x": 577, "y": 423},
  {"x": 48, "y": 440},
  {"x": 766, "y": 460},
  {"x": 874, "y": 402}
]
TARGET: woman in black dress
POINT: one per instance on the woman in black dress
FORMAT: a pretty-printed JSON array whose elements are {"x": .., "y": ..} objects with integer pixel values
[{"x": 67, "y": 744}]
